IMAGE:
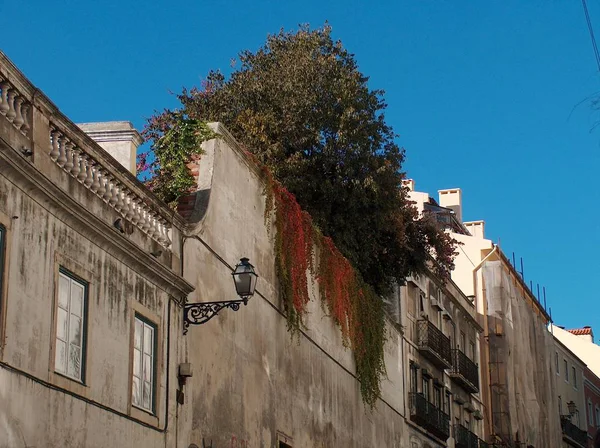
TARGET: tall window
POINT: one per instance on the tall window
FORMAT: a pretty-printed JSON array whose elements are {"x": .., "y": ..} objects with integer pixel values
[
  {"x": 472, "y": 350},
  {"x": 437, "y": 397},
  {"x": 425, "y": 387},
  {"x": 413, "y": 377},
  {"x": 590, "y": 413},
  {"x": 144, "y": 364},
  {"x": 597, "y": 416},
  {"x": 574, "y": 376},
  {"x": 447, "y": 403},
  {"x": 566, "y": 370},
  {"x": 556, "y": 363},
  {"x": 69, "y": 359},
  {"x": 463, "y": 342}
]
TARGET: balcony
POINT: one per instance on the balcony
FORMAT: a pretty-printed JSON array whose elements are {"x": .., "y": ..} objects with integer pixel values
[
  {"x": 483, "y": 444},
  {"x": 430, "y": 417},
  {"x": 464, "y": 438},
  {"x": 465, "y": 372},
  {"x": 572, "y": 434},
  {"x": 433, "y": 344}
]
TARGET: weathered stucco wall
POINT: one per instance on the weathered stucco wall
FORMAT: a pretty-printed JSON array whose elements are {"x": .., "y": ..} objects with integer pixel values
[
  {"x": 252, "y": 382},
  {"x": 33, "y": 412}
]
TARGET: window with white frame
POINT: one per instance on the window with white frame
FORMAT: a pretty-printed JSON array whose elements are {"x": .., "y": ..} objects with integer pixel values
[
  {"x": 597, "y": 417},
  {"x": 566, "y": 370},
  {"x": 144, "y": 364},
  {"x": 574, "y": 376},
  {"x": 69, "y": 357}
]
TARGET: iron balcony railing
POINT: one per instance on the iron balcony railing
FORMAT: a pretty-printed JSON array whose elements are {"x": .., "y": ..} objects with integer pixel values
[
  {"x": 433, "y": 344},
  {"x": 572, "y": 434},
  {"x": 464, "y": 438},
  {"x": 483, "y": 444},
  {"x": 429, "y": 416},
  {"x": 465, "y": 371}
]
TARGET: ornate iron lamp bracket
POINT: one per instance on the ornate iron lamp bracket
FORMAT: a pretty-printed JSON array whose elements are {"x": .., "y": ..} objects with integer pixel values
[{"x": 200, "y": 313}]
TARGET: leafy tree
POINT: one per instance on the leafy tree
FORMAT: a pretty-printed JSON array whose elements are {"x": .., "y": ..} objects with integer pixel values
[{"x": 303, "y": 108}]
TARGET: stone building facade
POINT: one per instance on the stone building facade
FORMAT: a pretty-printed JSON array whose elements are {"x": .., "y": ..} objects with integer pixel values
[{"x": 90, "y": 298}]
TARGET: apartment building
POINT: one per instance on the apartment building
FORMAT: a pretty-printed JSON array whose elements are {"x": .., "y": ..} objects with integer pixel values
[
  {"x": 580, "y": 341},
  {"x": 516, "y": 349}
]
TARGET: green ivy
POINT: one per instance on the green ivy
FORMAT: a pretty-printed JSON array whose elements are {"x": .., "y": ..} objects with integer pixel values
[{"x": 173, "y": 148}]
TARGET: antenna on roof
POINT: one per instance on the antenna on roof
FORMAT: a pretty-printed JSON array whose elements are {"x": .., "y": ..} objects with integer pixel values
[
  {"x": 522, "y": 270},
  {"x": 544, "y": 289}
]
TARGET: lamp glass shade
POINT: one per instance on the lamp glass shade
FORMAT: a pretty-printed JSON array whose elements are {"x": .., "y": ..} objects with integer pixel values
[
  {"x": 572, "y": 407},
  {"x": 244, "y": 278}
]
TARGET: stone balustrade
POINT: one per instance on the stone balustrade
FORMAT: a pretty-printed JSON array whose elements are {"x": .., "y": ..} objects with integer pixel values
[
  {"x": 14, "y": 106},
  {"x": 106, "y": 185},
  {"x": 75, "y": 153}
]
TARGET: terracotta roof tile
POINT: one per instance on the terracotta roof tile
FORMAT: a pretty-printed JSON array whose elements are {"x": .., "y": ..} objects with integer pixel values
[{"x": 581, "y": 331}]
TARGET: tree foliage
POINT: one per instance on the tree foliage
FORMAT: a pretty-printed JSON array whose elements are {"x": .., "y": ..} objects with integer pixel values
[{"x": 303, "y": 108}]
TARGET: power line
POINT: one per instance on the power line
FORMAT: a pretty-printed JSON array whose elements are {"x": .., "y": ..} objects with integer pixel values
[{"x": 591, "y": 30}]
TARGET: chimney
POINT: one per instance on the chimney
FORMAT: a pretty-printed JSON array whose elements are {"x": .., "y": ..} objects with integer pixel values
[
  {"x": 476, "y": 228},
  {"x": 409, "y": 183},
  {"x": 452, "y": 199},
  {"x": 119, "y": 138}
]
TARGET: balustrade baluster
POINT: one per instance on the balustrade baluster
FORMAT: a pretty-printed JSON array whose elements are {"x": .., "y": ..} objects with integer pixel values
[
  {"x": 114, "y": 192},
  {"x": 165, "y": 234},
  {"x": 62, "y": 157},
  {"x": 54, "y": 152},
  {"x": 142, "y": 214},
  {"x": 69, "y": 155},
  {"x": 130, "y": 207},
  {"x": 4, "y": 98},
  {"x": 119, "y": 204},
  {"x": 25, "y": 114},
  {"x": 11, "y": 106},
  {"x": 18, "y": 120},
  {"x": 125, "y": 207},
  {"x": 136, "y": 212},
  {"x": 148, "y": 222},
  {"x": 108, "y": 193},
  {"x": 82, "y": 167},
  {"x": 154, "y": 233},
  {"x": 101, "y": 183},
  {"x": 75, "y": 169},
  {"x": 89, "y": 175},
  {"x": 95, "y": 171}
]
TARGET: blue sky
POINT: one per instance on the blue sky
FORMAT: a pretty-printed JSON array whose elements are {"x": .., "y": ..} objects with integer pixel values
[{"x": 486, "y": 96}]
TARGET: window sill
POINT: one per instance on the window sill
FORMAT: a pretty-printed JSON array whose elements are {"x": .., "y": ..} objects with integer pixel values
[
  {"x": 144, "y": 416},
  {"x": 70, "y": 384}
]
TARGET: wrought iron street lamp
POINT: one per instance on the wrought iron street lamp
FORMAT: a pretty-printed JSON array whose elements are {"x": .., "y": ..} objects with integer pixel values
[
  {"x": 572, "y": 407},
  {"x": 244, "y": 278}
]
